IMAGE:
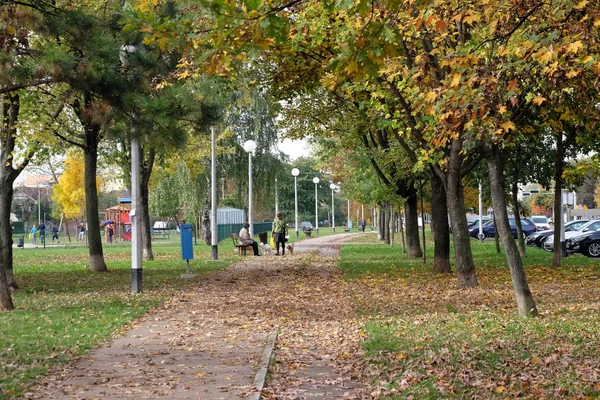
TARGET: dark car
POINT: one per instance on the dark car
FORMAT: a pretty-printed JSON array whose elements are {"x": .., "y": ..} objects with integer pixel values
[
  {"x": 538, "y": 238},
  {"x": 528, "y": 228},
  {"x": 306, "y": 226},
  {"x": 587, "y": 244}
]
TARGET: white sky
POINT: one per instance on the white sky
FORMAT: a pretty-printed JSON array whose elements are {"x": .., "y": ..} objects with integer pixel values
[{"x": 295, "y": 148}]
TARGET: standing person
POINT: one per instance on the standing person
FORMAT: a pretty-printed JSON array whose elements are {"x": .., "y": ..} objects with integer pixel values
[
  {"x": 33, "y": 234},
  {"x": 42, "y": 229},
  {"x": 81, "y": 232},
  {"x": 279, "y": 232},
  {"x": 246, "y": 239},
  {"x": 363, "y": 225},
  {"x": 54, "y": 231},
  {"x": 111, "y": 232}
]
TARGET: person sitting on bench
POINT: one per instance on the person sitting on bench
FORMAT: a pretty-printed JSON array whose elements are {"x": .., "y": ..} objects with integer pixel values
[{"x": 246, "y": 240}]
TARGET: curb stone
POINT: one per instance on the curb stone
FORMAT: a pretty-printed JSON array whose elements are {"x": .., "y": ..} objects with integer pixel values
[{"x": 263, "y": 369}]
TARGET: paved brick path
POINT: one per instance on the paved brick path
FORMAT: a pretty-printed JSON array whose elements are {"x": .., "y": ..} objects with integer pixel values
[{"x": 208, "y": 342}]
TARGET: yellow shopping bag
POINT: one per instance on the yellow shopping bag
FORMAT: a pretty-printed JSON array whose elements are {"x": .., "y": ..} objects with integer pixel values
[
  {"x": 272, "y": 242},
  {"x": 30, "y": 235}
]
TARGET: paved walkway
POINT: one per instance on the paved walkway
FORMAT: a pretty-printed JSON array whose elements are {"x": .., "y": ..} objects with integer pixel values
[{"x": 214, "y": 341}]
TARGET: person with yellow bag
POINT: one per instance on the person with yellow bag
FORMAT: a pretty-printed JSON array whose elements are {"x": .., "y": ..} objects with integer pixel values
[
  {"x": 279, "y": 232},
  {"x": 33, "y": 234}
]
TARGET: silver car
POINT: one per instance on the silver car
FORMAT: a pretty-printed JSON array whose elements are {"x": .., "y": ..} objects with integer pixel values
[{"x": 591, "y": 226}]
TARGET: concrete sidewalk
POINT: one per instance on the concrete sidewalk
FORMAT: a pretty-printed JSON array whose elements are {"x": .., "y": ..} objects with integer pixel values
[{"x": 214, "y": 341}]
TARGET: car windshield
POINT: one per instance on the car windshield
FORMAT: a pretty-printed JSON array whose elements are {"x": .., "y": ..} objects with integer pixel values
[
  {"x": 590, "y": 226},
  {"x": 539, "y": 220}
]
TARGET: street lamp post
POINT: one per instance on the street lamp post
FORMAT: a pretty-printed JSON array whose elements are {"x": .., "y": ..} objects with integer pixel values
[
  {"x": 214, "y": 240},
  {"x": 250, "y": 146},
  {"x": 332, "y": 187},
  {"x": 316, "y": 182},
  {"x": 136, "y": 201},
  {"x": 296, "y": 172},
  {"x": 348, "y": 214}
]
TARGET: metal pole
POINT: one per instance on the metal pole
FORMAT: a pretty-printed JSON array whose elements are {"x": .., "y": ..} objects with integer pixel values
[
  {"x": 316, "y": 210},
  {"x": 332, "y": 211},
  {"x": 39, "y": 207},
  {"x": 136, "y": 226},
  {"x": 563, "y": 244},
  {"x": 481, "y": 237},
  {"x": 214, "y": 240},
  {"x": 348, "y": 222},
  {"x": 251, "y": 230},
  {"x": 276, "y": 198},
  {"x": 296, "y": 203}
]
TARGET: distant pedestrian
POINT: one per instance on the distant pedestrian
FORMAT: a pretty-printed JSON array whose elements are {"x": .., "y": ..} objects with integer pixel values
[
  {"x": 81, "y": 232},
  {"x": 110, "y": 232},
  {"x": 33, "y": 235},
  {"x": 54, "y": 230},
  {"x": 42, "y": 229},
  {"x": 363, "y": 225}
]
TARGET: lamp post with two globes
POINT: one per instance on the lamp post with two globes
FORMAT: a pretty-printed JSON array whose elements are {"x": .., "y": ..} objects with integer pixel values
[
  {"x": 316, "y": 182},
  {"x": 296, "y": 172},
  {"x": 250, "y": 147}
]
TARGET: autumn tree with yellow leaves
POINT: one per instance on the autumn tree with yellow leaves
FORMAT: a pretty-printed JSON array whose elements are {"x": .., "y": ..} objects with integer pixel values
[{"x": 69, "y": 192}]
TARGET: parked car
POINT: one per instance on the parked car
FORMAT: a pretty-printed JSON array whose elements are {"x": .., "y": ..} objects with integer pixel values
[
  {"x": 591, "y": 226},
  {"x": 587, "y": 244},
  {"x": 541, "y": 222},
  {"x": 305, "y": 226},
  {"x": 485, "y": 220},
  {"x": 539, "y": 237},
  {"x": 528, "y": 228}
]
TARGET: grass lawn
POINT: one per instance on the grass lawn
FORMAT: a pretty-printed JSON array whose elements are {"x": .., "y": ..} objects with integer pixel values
[
  {"x": 425, "y": 338},
  {"x": 63, "y": 309}
]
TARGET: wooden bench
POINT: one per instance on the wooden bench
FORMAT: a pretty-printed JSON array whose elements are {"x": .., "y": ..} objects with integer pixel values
[{"x": 241, "y": 248}]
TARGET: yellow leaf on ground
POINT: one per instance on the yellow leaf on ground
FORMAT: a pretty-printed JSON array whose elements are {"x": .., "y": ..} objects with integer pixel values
[
  {"x": 581, "y": 5},
  {"x": 539, "y": 100},
  {"x": 508, "y": 125},
  {"x": 575, "y": 47},
  {"x": 455, "y": 80},
  {"x": 500, "y": 389}
]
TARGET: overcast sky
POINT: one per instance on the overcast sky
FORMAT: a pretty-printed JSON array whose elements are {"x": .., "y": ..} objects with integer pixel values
[{"x": 295, "y": 148}]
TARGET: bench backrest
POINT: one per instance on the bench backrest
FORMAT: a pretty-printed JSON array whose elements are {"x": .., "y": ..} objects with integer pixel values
[{"x": 235, "y": 238}]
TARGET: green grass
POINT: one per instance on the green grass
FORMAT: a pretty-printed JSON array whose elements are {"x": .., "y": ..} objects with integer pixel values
[
  {"x": 63, "y": 309},
  {"x": 425, "y": 338}
]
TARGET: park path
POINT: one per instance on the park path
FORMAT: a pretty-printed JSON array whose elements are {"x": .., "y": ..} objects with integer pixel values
[{"x": 214, "y": 340}]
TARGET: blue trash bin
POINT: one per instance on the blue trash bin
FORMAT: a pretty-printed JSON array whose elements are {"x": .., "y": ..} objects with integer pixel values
[{"x": 187, "y": 249}]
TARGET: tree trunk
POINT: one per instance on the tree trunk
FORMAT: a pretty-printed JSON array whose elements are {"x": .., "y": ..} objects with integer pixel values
[
  {"x": 385, "y": 223},
  {"x": 6, "y": 192},
  {"x": 412, "y": 226},
  {"x": 11, "y": 105},
  {"x": 390, "y": 212},
  {"x": 558, "y": 168},
  {"x": 520, "y": 239},
  {"x": 91, "y": 199},
  {"x": 146, "y": 172},
  {"x": 524, "y": 297},
  {"x": 381, "y": 222},
  {"x": 465, "y": 266},
  {"x": 206, "y": 211},
  {"x": 496, "y": 236},
  {"x": 402, "y": 232},
  {"x": 440, "y": 228}
]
